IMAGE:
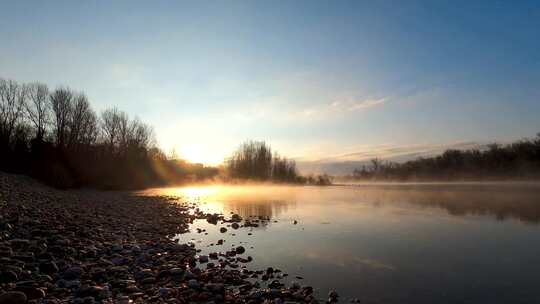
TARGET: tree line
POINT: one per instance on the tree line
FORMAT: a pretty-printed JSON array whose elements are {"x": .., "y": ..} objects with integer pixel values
[
  {"x": 55, "y": 135},
  {"x": 254, "y": 160},
  {"x": 517, "y": 160}
]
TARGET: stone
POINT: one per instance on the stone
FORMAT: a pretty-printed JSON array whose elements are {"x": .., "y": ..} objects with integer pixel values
[
  {"x": 164, "y": 292},
  {"x": 176, "y": 271},
  {"x": 13, "y": 297},
  {"x": 31, "y": 293},
  {"x": 8, "y": 277},
  {"x": 194, "y": 284},
  {"x": 222, "y": 229},
  {"x": 333, "y": 294},
  {"x": 48, "y": 267},
  {"x": 240, "y": 250},
  {"x": 19, "y": 243},
  {"x": 72, "y": 273}
]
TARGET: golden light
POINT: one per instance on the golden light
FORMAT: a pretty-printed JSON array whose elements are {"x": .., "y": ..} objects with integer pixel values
[{"x": 196, "y": 154}]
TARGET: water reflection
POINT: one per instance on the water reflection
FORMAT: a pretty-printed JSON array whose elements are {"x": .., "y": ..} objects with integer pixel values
[
  {"x": 436, "y": 243},
  {"x": 252, "y": 201},
  {"x": 501, "y": 201}
]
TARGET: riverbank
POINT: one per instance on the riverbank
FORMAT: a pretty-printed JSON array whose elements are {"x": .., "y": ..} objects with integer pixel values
[{"x": 88, "y": 246}]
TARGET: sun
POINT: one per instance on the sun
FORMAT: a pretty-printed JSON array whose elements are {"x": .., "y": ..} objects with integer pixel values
[{"x": 196, "y": 154}]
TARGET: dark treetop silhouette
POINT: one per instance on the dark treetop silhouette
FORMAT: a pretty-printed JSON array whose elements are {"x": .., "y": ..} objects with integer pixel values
[
  {"x": 518, "y": 160},
  {"x": 57, "y": 137}
]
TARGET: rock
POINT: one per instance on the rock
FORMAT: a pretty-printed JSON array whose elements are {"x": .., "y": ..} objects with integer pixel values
[
  {"x": 215, "y": 287},
  {"x": 203, "y": 259},
  {"x": 48, "y": 267},
  {"x": 240, "y": 250},
  {"x": 194, "y": 284},
  {"x": 104, "y": 293},
  {"x": 212, "y": 218},
  {"x": 72, "y": 273},
  {"x": 31, "y": 293},
  {"x": 333, "y": 294},
  {"x": 8, "y": 277},
  {"x": 19, "y": 243},
  {"x": 149, "y": 280},
  {"x": 278, "y": 301},
  {"x": 176, "y": 271},
  {"x": 235, "y": 226},
  {"x": 165, "y": 292},
  {"x": 29, "y": 283},
  {"x": 73, "y": 284},
  {"x": 13, "y": 297},
  {"x": 27, "y": 257},
  {"x": 222, "y": 229}
]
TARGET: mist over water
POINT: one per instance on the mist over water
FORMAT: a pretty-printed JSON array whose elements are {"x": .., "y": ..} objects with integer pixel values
[{"x": 387, "y": 243}]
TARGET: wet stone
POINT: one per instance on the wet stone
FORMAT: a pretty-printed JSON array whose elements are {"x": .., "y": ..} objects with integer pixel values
[
  {"x": 48, "y": 267},
  {"x": 31, "y": 293},
  {"x": 8, "y": 276},
  {"x": 72, "y": 273},
  {"x": 240, "y": 250},
  {"x": 13, "y": 297}
]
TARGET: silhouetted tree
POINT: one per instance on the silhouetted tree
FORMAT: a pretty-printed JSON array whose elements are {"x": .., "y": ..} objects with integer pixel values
[
  {"x": 61, "y": 104},
  {"x": 110, "y": 125},
  {"x": 111, "y": 152},
  {"x": 38, "y": 108},
  {"x": 254, "y": 160},
  {"x": 12, "y": 100},
  {"x": 520, "y": 159}
]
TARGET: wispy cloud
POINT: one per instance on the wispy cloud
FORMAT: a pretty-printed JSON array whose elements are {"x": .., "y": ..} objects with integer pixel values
[
  {"x": 341, "y": 107},
  {"x": 366, "y": 104},
  {"x": 389, "y": 151},
  {"x": 345, "y": 162}
]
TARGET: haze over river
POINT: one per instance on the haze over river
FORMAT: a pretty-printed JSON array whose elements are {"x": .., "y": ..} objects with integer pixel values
[{"x": 386, "y": 243}]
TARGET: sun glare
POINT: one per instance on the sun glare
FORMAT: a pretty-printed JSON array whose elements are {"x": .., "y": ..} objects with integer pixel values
[{"x": 196, "y": 154}]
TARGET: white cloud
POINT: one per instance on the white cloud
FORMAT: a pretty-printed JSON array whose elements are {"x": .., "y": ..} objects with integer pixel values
[
  {"x": 340, "y": 107},
  {"x": 366, "y": 104}
]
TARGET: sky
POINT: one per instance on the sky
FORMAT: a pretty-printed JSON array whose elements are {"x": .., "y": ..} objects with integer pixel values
[{"x": 321, "y": 81}]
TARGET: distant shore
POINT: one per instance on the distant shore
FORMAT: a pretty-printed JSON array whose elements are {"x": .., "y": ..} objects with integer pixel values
[{"x": 87, "y": 246}]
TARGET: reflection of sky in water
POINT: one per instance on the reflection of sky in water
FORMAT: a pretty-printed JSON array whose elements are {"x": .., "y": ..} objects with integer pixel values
[{"x": 388, "y": 244}]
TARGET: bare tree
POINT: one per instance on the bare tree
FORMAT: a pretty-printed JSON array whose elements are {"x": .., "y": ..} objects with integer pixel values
[
  {"x": 12, "y": 100},
  {"x": 61, "y": 103},
  {"x": 124, "y": 132},
  {"x": 142, "y": 135},
  {"x": 38, "y": 107},
  {"x": 110, "y": 121},
  {"x": 82, "y": 116},
  {"x": 89, "y": 130}
]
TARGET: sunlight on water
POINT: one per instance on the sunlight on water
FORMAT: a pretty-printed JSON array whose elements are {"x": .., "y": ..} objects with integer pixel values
[{"x": 387, "y": 243}]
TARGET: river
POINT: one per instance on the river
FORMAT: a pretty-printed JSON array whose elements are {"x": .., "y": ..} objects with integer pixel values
[{"x": 386, "y": 243}]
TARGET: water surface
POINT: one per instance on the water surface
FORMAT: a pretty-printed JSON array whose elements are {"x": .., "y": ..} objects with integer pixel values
[{"x": 393, "y": 243}]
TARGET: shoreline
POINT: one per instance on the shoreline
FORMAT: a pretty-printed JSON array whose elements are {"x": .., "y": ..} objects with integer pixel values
[{"x": 90, "y": 246}]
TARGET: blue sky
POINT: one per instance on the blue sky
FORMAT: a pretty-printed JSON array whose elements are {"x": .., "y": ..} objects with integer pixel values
[{"x": 319, "y": 80}]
